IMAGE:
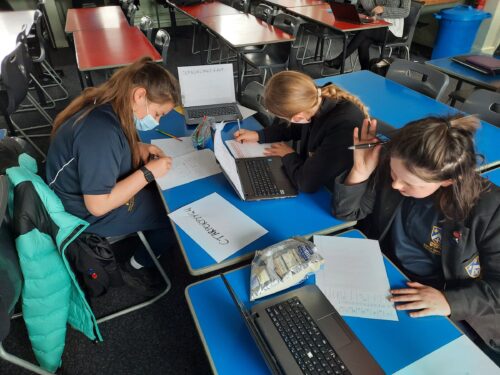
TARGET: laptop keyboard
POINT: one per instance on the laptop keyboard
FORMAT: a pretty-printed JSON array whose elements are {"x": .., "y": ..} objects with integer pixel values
[
  {"x": 261, "y": 178},
  {"x": 214, "y": 111},
  {"x": 312, "y": 352}
]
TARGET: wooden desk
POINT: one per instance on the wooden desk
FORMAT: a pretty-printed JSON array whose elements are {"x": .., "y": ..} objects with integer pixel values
[
  {"x": 284, "y": 4},
  {"x": 108, "y": 17},
  {"x": 323, "y": 15},
  {"x": 111, "y": 48},
  {"x": 205, "y": 10},
  {"x": 11, "y": 24}
]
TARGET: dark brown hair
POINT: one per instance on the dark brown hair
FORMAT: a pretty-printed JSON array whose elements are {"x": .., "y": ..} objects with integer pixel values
[
  {"x": 161, "y": 87},
  {"x": 437, "y": 149},
  {"x": 289, "y": 92}
]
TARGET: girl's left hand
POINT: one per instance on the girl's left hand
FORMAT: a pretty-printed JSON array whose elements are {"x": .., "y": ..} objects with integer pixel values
[
  {"x": 278, "y": 149},
  {"x": 379, "y": 9},
  {"x": 147, "y": 150},
  {"x": 427, "y": 300}
]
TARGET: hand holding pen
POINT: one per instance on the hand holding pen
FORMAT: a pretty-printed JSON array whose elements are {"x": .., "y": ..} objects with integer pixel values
[{"x": 365, "y": 157}]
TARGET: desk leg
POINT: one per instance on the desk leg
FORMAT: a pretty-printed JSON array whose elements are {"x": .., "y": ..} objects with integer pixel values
[
  {"x": 384, "y": 43},
  {"x": 81, "y": 79},
  {"x": 457, "y": 87},
  {"x": 88, "y": 79},
  {"x": 344, "y": 51},
  {"x": 238, "y": 75},
  {"x": 157, "y": 14},
  {"x": 173, "y": 20}
]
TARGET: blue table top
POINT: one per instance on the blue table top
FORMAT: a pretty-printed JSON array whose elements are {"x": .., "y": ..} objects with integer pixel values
[
  {"x": 450, "y": 67},
  {"x": 398, "y": 105},
  {"x": 493, "y": 176},
  {"x": 393, "y": 344},
  {"x": 283, "y": 218}
]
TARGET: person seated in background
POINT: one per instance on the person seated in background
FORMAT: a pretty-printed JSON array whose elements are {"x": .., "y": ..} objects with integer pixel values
[
  {"x": 421, "y": 197},
  {"x": 322, "y": 120},
  {"x": 393, "y": 11},
  {"x": 100, "y": 170}
]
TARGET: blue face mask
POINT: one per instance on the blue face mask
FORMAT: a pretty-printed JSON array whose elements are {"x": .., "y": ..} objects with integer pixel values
[{"x": 146, "y": 123}]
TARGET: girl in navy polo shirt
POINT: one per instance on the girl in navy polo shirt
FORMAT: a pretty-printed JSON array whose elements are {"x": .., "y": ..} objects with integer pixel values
[
  {"x": 100, "y": 170},
  {"x": 435, "y": 217}
]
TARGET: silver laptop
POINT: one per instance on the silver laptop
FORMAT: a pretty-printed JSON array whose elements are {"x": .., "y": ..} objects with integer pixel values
[
  {"x": 254, "y": 178},
  {"x": 208, "y": 90},
  {"x": 300, "y": 332}
]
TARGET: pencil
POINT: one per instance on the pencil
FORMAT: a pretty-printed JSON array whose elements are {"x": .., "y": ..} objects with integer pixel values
[
  {"x": 365, "y": 145},
  {"x": 168, "y": 134},
  {"x": 239, "y": 126}
]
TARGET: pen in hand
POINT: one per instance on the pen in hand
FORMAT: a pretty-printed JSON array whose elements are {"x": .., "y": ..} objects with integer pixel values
[{"x": 362, "y": 146}]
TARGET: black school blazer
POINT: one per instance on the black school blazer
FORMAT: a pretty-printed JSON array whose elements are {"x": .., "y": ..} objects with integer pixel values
[
  {"x": 323, "y": 153},
  {"x": 473, "y": 293}
]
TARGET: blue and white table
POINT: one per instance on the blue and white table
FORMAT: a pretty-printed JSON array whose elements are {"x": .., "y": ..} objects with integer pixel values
[{"x": 304, "y": 215}]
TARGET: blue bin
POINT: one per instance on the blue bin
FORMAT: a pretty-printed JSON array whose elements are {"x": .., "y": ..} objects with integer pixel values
[{"x": 457, "y": 30}]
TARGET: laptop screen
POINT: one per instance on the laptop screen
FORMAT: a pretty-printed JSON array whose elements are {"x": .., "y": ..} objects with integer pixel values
[{"x": 206, "y": 84}]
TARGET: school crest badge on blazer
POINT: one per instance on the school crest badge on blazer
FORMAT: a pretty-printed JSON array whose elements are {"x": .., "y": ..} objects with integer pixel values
[
  {"x": 473, "y": 269},
  {"x": 434, "y": 245}
]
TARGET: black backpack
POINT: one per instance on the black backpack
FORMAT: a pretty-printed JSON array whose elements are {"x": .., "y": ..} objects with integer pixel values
[{"x": 94, "y": 264}]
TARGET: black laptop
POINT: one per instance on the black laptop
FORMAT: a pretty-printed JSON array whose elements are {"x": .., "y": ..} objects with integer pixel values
[
  {"x": 349, "y": 13},
  {"x": 300, "y": 332}
]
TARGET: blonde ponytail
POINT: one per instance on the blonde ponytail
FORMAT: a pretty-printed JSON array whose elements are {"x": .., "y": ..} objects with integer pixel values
[{"x": 334, "y": 92}]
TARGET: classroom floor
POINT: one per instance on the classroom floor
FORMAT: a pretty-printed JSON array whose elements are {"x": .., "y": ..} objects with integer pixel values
[{"x": 160, "y": 339}]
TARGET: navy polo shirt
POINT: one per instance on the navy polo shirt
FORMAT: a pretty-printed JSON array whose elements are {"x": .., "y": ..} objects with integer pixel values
[
  {"x": 87, "y": 156},
  {"x": 416, "y": 238}
]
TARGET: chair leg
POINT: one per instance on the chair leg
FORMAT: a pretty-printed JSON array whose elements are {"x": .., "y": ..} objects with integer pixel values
[
  {"x": 164, "y": 276},
  {"x": 21, "y": 362},
  {"x": 28, "y": 139}
]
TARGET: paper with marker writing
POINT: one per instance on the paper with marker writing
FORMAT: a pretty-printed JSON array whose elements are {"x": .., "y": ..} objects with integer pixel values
[
  {"x": 189, "y": 167},
  {"x": 247, "y": 149},
  {"x": 173, "y": 148},
  {"x": 354, "y": 278},
  {"x": 217, "y": 226},
  {"x": 226, "y": 160},
  {"x": 461, "y": 356}
]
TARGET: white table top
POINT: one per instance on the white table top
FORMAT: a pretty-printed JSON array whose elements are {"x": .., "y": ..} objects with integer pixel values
[{"x": 11, "y": 23}]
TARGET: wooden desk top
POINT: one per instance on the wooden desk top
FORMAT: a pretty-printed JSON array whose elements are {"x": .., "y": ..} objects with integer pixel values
[
  {"x": 11, "y": 24},
  {"x": 293, "y": 3},
  {"x": 240, "y": 30},
  {"x": 107, "y": 17},
  {"x": 322, "y": 14},
  {"x": 204, "y": 10},
  {"x": 111, "y": 48}
]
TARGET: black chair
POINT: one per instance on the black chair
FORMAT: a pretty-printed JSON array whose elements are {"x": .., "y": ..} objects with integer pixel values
[
  {"x": 264, "y": 12},
  {"x": 273, "y": 56},
  {"x": 252, "y": 97},
  {"x": 14, "y": 90},
  {"x": 162, "y": 42},
  {"x": 419, "y": 77},
  {"x": 485, "y": 104},
  {"x": 243, "y": 5},
  {"x": 408, "y": 31},
  {"x": 146, "y": 26},
  {"x": 132, "y": 8},
  {"x": 10, "y": 281}
]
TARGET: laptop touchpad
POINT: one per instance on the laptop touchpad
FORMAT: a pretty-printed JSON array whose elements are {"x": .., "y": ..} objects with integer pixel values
[{"x": 334, "y": 332}]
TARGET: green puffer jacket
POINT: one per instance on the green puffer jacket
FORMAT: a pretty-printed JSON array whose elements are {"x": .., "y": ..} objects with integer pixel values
[{"x": 51, "y": 297}]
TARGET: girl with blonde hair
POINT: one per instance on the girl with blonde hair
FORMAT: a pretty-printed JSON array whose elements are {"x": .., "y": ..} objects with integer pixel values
[
  {"x": 421, "y": 197},
  {"x": 321, "y": 118},
  {"x": 100, "y": 170}
]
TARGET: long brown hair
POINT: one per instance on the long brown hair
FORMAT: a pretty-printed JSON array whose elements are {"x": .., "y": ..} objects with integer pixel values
[
  {"x": 289, "y": 92},
  {"x": 437, "y": 149},
  {"x": 161, "y": 87}
]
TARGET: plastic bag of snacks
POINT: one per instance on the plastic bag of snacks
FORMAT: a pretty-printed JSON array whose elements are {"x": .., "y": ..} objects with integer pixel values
[{"x": 283, "y": 265}]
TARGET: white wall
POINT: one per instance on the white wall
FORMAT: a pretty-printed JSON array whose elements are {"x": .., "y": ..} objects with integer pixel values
[{"x": 488, "y": 36}]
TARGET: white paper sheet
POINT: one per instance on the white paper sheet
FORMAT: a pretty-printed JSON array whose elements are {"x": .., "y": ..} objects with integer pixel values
[
  {"x": 226, "y": 160},
  {"x": 354, "y": 278},
  {"x": 189, "y": 167},
  {"x": 173, "y": 148},
  {"x": 247, "y": 149},
  {"x": 206, "y": 84},
  {"x": 246, "y": 112},
  {"x": 459, "y": 357},
  {"x": 217, "y": 226}
]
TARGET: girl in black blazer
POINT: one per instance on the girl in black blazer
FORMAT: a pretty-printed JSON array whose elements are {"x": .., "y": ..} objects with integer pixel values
[
  {"x": 434, "y": 216},
  {"x": 322, "y": 119}
]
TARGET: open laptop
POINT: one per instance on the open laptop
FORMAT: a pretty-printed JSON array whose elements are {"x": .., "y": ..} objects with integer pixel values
[
  {"x": 300, "y": 332},
  {"x": 349, "y": 13},
  {"x": 254, "y": 178},
  {"x": 208, "y": 90}
]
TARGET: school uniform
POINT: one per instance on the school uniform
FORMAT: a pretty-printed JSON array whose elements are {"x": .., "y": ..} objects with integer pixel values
[
  {"x": 89, "y": 157},
  {"x": 468, "y": 252},
  {"x": 323, "y": 153}
]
